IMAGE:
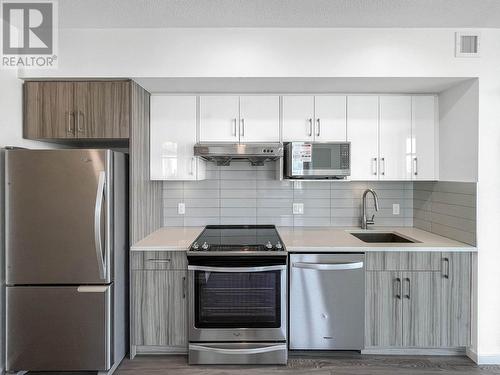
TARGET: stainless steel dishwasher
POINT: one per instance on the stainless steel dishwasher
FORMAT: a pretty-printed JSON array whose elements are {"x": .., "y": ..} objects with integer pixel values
[{"x": 327, "y": 301}]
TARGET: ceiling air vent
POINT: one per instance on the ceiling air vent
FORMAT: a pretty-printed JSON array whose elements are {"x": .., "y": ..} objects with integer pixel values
[{"x": 467, "y": 44}]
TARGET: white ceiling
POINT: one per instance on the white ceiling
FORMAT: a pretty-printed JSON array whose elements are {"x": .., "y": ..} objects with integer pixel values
[
  {"x": 279, "y": 13},
  {"x": 299, "y": 85}
]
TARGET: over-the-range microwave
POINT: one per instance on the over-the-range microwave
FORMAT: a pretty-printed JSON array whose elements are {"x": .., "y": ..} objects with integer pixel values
[{"x": 317, "y": 160}]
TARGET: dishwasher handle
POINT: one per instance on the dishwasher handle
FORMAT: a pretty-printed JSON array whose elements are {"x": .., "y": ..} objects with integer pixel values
[{"x": 328, "y": 266}]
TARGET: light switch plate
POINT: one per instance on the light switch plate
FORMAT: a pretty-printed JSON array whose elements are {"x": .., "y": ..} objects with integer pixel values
[
  {"x": 395, "y": 209},
  {"x": 181, "y": 209},
  {"x": 298, "y": 208}
]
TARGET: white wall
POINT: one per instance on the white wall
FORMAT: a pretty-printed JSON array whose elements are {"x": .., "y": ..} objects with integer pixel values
[
  {"x": 458, "y": 132},
  {"x": 321, "y": 53}
]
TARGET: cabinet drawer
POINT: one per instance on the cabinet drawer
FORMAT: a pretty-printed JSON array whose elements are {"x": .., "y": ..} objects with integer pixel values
[
  {"x": 158, "y": 260},
  {"x": 403, "y": 261}
]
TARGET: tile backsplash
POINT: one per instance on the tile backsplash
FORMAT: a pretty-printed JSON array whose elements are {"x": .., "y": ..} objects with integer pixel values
[
  {"x": 242, "y": 194},
  {"x": 447, "y": 209}
]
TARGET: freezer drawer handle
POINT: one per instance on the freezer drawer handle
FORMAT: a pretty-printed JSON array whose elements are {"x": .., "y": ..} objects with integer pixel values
[
  {"x": 237, "y": 269},
  {"x": 328, "y": 266},
  {"x": 265, "y": 349},
  {"x": 92, "y": 289},
  {"x": 97, "y": 224}
]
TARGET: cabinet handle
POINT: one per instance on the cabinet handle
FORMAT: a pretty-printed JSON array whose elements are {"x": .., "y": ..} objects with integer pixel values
[
  {"x": 407, "y": 279},
  {"x": 234, "y": 127},
  {"x": 446, "y": 268},
  {"x": 191, "y": 171},
  {"x": 242, "y": 130},
  {"x": 374, "y": 166},
  {"x": 398, "y": 288},
  {"x": 70, "y": 128},
  {"x": 319, "y": 127},
  {"x": 382, "y": 168},
  {"x": 415, "y": 166},
  {"x": 78, "y": 127},
  {"x": 310, "y": 121},
  {"x": 184, "y": 287}
]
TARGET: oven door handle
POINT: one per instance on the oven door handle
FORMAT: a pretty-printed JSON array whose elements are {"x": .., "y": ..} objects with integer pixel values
[
  {"x": 328, "y": 266},
  {"x": 265, "y": 349},
  {"x": 237, "y": 269}
]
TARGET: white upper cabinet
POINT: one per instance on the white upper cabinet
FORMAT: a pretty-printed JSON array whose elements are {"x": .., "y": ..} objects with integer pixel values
[
  {"x": 395, "y": 138},
  {"x": 219, "y": 118},
  {"x": 423, "y": 138},
  {"x": 362, "y": 132},
  {"x": 259, "y": 118},
  {"x": 330, "y": 118},
  {"x": 172, "y": 137},
  {"x": 298, "y": 118}
]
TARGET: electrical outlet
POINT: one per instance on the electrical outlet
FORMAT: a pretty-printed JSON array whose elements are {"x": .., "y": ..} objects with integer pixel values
[
  {"x": 298, "y": 208},
  {"x": 181, "y": 209},
  {"x": 395, "y": 209}
]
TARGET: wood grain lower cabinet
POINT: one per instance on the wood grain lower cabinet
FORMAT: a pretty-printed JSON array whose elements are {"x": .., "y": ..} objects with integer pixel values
[
  {"x": 421, "y": 309},
  {"x": 456, "y": 299},
  {"x": 383, "y": 314},
  {"x": 417, "y": 300},
  {"x": 159, "y": 309}
]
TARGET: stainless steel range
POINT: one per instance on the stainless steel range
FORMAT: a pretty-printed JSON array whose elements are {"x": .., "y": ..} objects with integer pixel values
[{"x": 237, "y": 299}]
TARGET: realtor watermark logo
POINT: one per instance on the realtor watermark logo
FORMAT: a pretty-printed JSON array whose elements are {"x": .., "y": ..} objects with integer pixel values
[{"x": 29, "y": 34}]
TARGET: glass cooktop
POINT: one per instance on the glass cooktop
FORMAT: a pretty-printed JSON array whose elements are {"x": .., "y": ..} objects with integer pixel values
[{"x": 243, "y": 238}]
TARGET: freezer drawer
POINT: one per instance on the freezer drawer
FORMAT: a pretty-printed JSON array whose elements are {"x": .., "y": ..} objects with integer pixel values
[
  {"x": 327, "y": 296},
  {"x": 59, "y": 328}
]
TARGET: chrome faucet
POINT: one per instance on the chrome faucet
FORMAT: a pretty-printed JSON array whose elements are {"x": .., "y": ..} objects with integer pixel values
[{"x": 364, "y": 220}]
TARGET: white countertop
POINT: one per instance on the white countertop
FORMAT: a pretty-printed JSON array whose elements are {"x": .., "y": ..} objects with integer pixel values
[
  {"x": 168, "y": 239},
  {"x": 312, "y": 239},
  {"x": 323, "y": 239}
]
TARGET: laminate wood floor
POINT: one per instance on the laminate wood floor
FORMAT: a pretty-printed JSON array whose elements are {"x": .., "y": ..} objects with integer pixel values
[{"x": 338, "y": 364}]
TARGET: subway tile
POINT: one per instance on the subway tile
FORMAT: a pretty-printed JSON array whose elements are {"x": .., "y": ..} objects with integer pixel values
[
  {"x": 173, "y": 185},
  {"x": 238, "y": 220},
  {"x": 238, "y": 193},
  {"x": 311, "y": 185},
  {"x": 240, "y": 202},
  {"x": 173, "y": 221},
  {"x": 274, "y": 193},
  {"x": 454, "y": 233},
  {"x": 422, "y": 224},
  {"x": 207, "y": 193},
  {"x": 274, "y": 184},
  {"x": 303, "y": 194},
  {"x": 201, "y": 202},
  {"x": 177, "y": 194},
  {"x": 201, "y": 221},
  {"x": 238, "y": 211},
  {"x": 283, "y": 221},
  {"x": 316, "y": 211},
  {"x": 275, "y": 211},
  {"x": 304, "y": 221},
  {"x": 238, "y": 165},
  {"x": 204, "y": 184},
  {"x": 238, "y": 175},
  {"x": 345, "y": 212},
  {"x": 202, "y": 211},
  {"x": 311, "y": 202},
  {"x": 454, "y": 198},
  {"x": 345, "y": 221},
  {"x": 274, "y": 202},
  {"x": 238, "y": 184},
  {"x": 454, "y": 222}
]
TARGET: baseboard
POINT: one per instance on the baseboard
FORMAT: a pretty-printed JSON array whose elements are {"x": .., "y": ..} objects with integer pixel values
[
  {"x": 161, "y": 350},
  {"x": 488, "y": 359},
  {"x": 415, "y": 351}
]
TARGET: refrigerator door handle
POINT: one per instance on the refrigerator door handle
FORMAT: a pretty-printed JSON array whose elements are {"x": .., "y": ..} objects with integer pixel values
[{"x": 97, "y": 224}]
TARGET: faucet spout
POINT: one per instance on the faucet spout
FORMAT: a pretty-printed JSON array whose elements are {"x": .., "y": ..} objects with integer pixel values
[{"x": 364, "y": 220}]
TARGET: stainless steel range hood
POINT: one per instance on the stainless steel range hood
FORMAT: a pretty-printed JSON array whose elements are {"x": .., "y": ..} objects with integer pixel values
[{"x": 223, "y": 153}]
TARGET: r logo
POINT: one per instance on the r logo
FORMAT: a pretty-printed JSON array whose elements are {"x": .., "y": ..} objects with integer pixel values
[{"x": 28, "y": 28}]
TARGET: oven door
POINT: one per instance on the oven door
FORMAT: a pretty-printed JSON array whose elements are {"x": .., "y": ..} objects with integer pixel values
[
  {"x": 237, "y": 298},
  {"x": 318, "y": 160}
]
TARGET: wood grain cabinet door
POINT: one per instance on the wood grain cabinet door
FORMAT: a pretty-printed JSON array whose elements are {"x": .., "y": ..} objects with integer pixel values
[
  {"x": 383, "y": 309},
  {"x": 102, "y": 109},
  {"x": 421, "y": 309},
  {"x": 48, "y": 110},
  {"x": 160, "y": 309},
  {"x": 456, "y": 299}
]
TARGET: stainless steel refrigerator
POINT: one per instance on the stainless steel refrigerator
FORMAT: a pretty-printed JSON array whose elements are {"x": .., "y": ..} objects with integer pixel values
[{"x": 66, "y": 245}]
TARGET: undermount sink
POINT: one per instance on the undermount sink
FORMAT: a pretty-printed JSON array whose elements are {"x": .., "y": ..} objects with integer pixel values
[{"x": 382, "y": 237}]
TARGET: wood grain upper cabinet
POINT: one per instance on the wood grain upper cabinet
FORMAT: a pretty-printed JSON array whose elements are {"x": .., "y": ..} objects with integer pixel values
[
  {"x": 48, "y": 110},
  {"x": 57, "y": 110},
  {"x": 102, "y": 109}
]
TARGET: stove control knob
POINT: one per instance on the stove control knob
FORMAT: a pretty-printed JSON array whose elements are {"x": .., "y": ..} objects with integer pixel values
[
  {"x": 204, "y": 246},
  {"x": 279, "y": 246},
  {"x": 269, "y": 245},
  {"x": 195, "y": 246}
]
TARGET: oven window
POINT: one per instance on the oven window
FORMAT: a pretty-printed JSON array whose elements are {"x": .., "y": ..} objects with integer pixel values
[{"x": 237, "y": 300}]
